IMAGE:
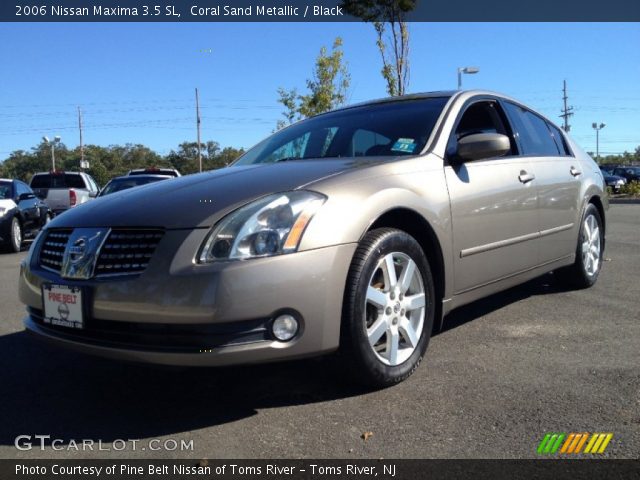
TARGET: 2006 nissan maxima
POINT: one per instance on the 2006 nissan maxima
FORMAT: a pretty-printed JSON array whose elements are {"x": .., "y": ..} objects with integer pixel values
[{"x": 360, "y": 229}]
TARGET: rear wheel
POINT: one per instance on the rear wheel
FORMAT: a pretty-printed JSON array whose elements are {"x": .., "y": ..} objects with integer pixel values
[
  {"x": 584, "y": 272},
  {"x": 389, "y": 308}
]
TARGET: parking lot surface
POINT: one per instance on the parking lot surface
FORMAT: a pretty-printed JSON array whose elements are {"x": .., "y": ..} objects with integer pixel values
[{"x": 505, "y": 371}]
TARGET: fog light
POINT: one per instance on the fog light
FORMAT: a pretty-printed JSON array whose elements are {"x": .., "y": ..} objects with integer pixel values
[{"x": 284, "y": 327}]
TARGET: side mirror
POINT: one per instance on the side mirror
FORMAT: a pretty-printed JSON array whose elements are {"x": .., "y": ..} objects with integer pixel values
[
  {"x": 26, "y": 196},
  {"x": 483, "y": 145}
]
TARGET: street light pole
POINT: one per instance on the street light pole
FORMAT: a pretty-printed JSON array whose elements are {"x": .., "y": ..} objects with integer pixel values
[
  {"x": 56, "y": 140},
  {"x": 597, "y": 128},
  {"x": 466, "y": 70}
]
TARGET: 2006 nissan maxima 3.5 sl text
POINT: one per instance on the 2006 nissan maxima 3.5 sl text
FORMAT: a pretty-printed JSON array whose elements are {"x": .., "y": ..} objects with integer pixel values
[{"x": 359, "y": 228}]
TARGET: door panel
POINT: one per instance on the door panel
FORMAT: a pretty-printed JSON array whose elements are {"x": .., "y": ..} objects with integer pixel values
[
  {"x": 494, "y": 218},
  {"x": 558, "y": 205}
]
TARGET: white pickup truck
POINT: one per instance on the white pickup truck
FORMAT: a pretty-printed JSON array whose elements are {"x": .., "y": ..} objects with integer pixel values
[{"x": 64, "y": 190}]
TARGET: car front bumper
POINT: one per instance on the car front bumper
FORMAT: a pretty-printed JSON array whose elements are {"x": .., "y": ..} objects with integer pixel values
[{"x": 181, "y": 313}]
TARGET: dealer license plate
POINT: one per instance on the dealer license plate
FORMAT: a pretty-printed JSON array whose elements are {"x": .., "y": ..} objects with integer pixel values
[{"x": 62, "y": 305}]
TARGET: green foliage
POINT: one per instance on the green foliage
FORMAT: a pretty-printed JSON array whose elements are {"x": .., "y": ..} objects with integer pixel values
[
  {"x": 108, "y": 162},
  {"x": 631, "y": 188},
  {"x": 327, "y": 89},
  {"x": 389, "y": 20},
  {"x": 625, "y": 158}
]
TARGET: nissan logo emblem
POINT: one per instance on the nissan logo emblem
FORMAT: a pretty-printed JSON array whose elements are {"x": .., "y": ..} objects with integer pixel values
[{"x": 78, "y": 250}]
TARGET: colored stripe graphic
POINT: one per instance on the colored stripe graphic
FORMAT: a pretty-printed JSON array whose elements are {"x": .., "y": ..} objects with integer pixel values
[
  {"x": 598, "y": 443},
  {"x": 550, "y": 443},
  {"x": 543, "y": 443},
  {"x": 573, "y": 443},
  {"x": 581, "y": 443}
]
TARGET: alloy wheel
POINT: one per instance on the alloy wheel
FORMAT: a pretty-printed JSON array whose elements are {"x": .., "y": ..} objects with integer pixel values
[
  {"x": 591, "y": 245},
  {"x": 395, "y": 308}
]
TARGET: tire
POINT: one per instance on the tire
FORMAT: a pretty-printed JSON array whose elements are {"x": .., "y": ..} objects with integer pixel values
[
  {"x": 386, "y": 325},
  {"x": 15, "y": 236},
  {"x": 589, "y": 252}
]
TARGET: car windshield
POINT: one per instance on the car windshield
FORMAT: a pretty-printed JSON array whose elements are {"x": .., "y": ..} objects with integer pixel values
[
  {"x": 118, "y": 184},
  {"x": 384, "y": 129},
  {"x": 6, "y": 190}
]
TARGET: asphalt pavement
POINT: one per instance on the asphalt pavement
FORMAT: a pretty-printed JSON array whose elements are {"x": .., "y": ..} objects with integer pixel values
[{"x": 505, "y": 371}]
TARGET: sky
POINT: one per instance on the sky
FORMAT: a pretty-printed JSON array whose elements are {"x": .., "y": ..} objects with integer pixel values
[{"x": 135, "y": 83}]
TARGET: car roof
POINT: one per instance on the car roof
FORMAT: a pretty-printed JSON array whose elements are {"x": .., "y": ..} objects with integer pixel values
[
  {"x": 58, "y": 172},
  {"x": 450, "y": 94}
]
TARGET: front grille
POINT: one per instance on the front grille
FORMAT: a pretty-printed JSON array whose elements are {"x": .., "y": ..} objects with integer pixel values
[
  {"x": 127, "y": 251},
  {"x": 52, "y": 249},
  {"x": 124, "y": 252}
]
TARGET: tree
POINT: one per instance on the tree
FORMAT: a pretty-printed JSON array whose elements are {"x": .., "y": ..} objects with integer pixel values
[
  {"x": 114, "y": 160},
  {"x": 389, "y": 21},
  {"x": 327, "y": 89}
]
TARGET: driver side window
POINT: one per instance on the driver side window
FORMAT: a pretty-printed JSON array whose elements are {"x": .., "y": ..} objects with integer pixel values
[{"x": 480, "y": 117}]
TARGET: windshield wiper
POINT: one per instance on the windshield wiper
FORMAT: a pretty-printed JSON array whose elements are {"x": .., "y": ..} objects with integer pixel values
[{"x": 288, "y": 159}]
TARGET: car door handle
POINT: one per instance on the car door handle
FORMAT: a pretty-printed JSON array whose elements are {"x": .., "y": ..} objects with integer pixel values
[
  {"x": 574, "y": 171},
  {"x": 525, "y": 177}
]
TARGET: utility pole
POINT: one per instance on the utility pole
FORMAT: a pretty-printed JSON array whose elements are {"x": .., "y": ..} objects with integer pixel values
[
  {"x": 597, "y": 128},
  {"x": 198, "y": 127},
  {"x": 566, "y": 111},
  {"x": 82, "y": 164}
]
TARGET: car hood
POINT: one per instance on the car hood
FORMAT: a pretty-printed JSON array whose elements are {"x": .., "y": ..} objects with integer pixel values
[{"x": 199, "y": 200}]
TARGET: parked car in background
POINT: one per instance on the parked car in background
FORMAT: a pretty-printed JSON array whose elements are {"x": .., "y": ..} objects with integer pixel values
[
  {"x": 172, "y": 172},
  {"x": 613, "y": 181},
  {"x": 608, "y": 168},
  {"x": 64, "y": 190},
  {"x": 630, "y": 173},
  {"x": 359, "y": 228},
  {"x": 22, "y": 214},
  {"x": 129, "y": 181}
]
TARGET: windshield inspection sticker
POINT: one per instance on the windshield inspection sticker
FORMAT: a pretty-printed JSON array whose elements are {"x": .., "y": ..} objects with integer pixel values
[{"x": 405, "y": 145}]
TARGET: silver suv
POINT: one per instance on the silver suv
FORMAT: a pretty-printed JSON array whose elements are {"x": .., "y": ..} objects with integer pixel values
[{"x": 63, "y": 190}]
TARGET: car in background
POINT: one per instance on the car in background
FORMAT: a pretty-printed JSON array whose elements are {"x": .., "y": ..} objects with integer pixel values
[
  {"x": 630, "y": 173},
  {"x": 172, "y": 172},
  {"x": 64, "y": 190},
  {"x": 22, "y": 214},
  {"x": 130, "y": 181},
  {"x": 613, "y": 181},
  {"x": 358, "y": 229},
  {"x": 608, "y": 168}
]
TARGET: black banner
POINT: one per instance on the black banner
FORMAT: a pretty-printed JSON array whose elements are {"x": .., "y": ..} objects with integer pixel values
[
  {"x": 320, "y": 469},
  {"x": 312, "y": 11}
]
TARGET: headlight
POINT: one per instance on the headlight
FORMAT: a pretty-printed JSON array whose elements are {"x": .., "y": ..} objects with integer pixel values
[{"x": 272, "y": 225}]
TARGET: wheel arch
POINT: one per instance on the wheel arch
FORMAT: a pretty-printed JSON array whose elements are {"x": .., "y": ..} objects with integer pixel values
[
  {"x": 596, "y": 201},
  {"x": 418, "y": 227}
]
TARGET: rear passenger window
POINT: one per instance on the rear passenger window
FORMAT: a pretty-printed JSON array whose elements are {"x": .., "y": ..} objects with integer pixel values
[
  {"x": 560, "y": 141},
  {"x": 535, "y": 136}
]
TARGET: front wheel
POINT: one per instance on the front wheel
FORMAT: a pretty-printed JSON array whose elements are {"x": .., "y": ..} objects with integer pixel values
[
  {"x": 15, "y": 236},
  {"x": 589, "y": 252},
  {"x": 388, "y": 308}
]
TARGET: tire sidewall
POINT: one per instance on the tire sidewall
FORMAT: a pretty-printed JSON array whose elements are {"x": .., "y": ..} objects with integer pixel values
[
  {"x": 390, "y": 241},
  {"x": 13, "y": 245},
  {"x": 589, "y": 280}
]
